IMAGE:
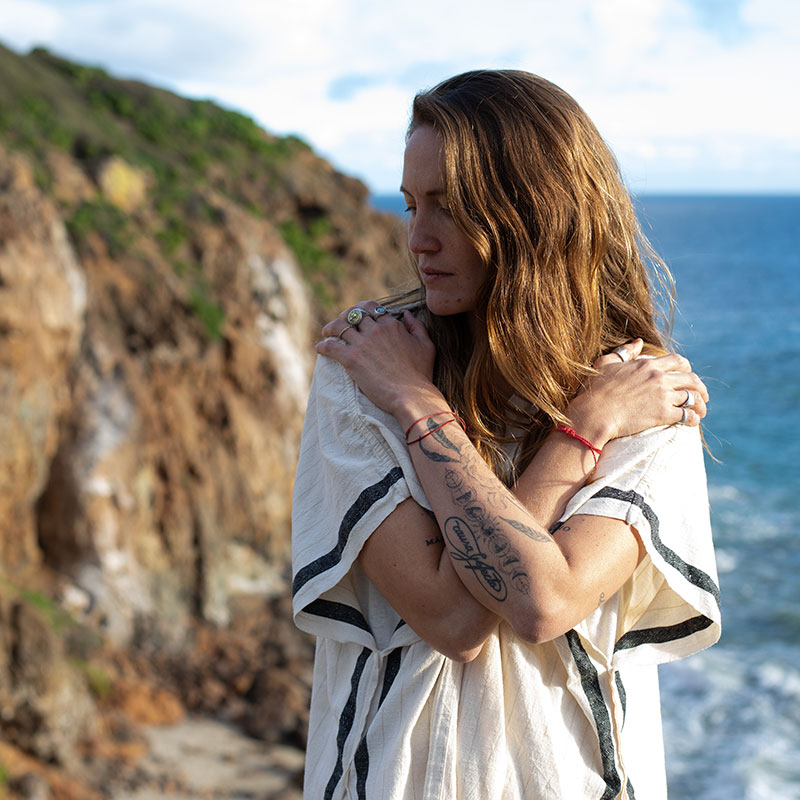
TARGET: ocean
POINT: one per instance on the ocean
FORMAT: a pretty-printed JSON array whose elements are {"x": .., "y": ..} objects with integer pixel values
[{"x": 732, "y": 713}]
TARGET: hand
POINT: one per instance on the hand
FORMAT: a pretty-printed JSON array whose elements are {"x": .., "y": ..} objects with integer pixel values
[
  {"x": 390, "y": 358},
  {"x": 626, "y": 398}
]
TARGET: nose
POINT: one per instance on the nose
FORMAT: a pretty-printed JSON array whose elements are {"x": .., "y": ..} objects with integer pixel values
[{"x": 422, "y": 237}]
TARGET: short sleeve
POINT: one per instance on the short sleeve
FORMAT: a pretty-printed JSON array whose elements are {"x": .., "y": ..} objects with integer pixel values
[
  {"x": 670, "y": 607},
  {"x": 352, "y": 472}
]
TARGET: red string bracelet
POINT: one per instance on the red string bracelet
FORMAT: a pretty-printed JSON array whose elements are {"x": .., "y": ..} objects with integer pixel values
[
  {"x": 429, "y": 416},
  {"x": 595, "y": 451},
  {"x": 432, "y": 430},
  {"x": 455, "y": 418}
]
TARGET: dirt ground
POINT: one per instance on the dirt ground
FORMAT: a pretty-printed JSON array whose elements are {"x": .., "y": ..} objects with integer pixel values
[{"x": 201, "y": 759}]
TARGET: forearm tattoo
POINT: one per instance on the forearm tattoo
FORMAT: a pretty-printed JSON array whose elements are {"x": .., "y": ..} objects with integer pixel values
[{"x": 476, "y": 539}]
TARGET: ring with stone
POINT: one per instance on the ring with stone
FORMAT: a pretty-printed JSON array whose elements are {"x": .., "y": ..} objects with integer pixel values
[
  {"x": 622, "y": 352},
  {"x": 355, "y": 315},
  {"x": 690, "y": 401},
  {"x": 380, "y": 311}
]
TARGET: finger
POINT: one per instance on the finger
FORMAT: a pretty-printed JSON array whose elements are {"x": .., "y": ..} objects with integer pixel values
[
  {"x": 619, "y": 355},
  {"x": 672, "y": 362},
  {"x": 634, "y": 347},
  {"x": 687, "y": 417},
  {"x": 335, "y": 327},
  {"x": 691, "y": 381},
  {"x": 332, "y": 347},
  {"x": 326, "y": 328},
  {"x": 699, "y": 407},
  {"x": 689, "y": 398},
  {"x": 331, "y": 328},
  {"x": 701, "y": 388},
  {"x": 415, "y": 327}
]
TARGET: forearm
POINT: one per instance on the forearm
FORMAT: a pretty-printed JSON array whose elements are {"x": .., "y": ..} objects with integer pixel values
[
  {"x": 503, "y": 556},
  {"x": 561, "y": 466},
  {"x": 406, "y": 560}
]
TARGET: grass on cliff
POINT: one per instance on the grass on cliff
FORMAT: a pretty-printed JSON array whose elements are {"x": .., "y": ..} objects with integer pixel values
[
  {"x": 48, "y": 101},
  {"x": 316, "y": 263},
  {"x": 184, "y": 145}
]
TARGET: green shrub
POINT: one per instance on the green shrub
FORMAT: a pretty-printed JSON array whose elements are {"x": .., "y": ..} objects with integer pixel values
[
  {"x": 57, "y": 618},
  {"x": 207, "y": 310},
  {"x": 98, "y": 679},
  {"x": 105, "y": 219},
  {"x": 317, "y": 264}
]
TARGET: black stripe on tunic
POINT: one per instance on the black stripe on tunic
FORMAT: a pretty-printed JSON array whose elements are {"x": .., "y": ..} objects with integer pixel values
[
  {"x": 693, "y": 574},
  {"x": 346, "y": 722},
  {"x": 361, "y": 762},
  {"x": 590, "y": 681},
  {"x": 623, "y": 695},
  {"x": 363, "y": 503},
  {"x": 392, "y": 668},
  {"x": 361, "y": 759},
  {"x": 665, "y": 633},
  {"x": 338, "y": 611}
]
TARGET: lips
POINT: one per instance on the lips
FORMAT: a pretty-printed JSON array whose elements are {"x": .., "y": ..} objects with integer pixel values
[{"x": 433, "y": 274}]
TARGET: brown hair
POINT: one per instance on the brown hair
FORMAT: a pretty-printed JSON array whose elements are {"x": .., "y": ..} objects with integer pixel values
[{"x": 534, "y": 187}]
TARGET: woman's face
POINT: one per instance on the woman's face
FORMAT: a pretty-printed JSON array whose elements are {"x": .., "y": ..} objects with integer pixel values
[{"x": 448, "y": 264}]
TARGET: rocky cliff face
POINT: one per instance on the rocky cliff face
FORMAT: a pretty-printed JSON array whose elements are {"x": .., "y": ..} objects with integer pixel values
[{"x": 156, "y": 325}]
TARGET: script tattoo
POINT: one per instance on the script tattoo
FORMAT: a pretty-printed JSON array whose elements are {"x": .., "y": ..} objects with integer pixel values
[
  {"x": 496, "y": 543},
  {"x": 464, "y": 547},
  {"x": 481, "y": 526}
]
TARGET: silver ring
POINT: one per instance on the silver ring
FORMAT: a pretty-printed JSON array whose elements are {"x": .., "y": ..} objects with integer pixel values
[
  {"x": 684, "y": 416},
  {"x": 341, "y": 334},
  {"x": 622, "y": 352},
  {"x": 690, "y": 400},
  {"x": 379, "y": 312},
  {"x": 355, "y": 315}
]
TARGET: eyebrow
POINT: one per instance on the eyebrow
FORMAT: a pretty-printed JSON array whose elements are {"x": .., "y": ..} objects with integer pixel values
[{"x": 431, "y": 193}]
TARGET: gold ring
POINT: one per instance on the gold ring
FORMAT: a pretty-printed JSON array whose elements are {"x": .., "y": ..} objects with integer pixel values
[{"x": 355, "y": 315}]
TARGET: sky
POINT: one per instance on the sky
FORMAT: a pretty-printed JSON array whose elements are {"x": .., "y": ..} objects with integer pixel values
[{"x": 694, "y": 96}]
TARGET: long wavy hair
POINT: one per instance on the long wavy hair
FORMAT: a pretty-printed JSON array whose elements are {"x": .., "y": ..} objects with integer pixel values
[{"x": 569, "y": 275}]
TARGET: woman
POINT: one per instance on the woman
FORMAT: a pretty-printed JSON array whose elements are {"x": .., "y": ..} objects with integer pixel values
[{"x": 490, "y": 597}]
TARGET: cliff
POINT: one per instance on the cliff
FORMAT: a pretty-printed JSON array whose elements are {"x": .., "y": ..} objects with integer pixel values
[{"x": 164, "y": 267}]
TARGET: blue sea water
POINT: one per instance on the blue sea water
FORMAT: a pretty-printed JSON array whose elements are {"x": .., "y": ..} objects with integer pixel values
[{"x": 732, "y": 713}]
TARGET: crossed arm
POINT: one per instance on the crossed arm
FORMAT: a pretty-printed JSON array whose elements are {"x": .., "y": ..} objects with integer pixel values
[
  {"x": 486, "y": 556},
  {"x": 486, "y": 553}
]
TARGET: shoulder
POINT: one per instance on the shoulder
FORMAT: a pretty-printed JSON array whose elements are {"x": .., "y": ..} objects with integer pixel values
[
  {"x": 336, "y": 400},
  {"x": 651, "y": 449},
  {"x": 658, "y": 467}
]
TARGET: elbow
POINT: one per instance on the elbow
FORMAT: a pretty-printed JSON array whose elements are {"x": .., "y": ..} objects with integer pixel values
[
  {"x": 463, "y": 655},
  {"x": 539, "y": 625},
  {"x": 463, "y": 643}
]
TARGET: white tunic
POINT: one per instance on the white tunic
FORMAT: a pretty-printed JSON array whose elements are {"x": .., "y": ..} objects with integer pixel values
[{"x": 577, "y": 717}]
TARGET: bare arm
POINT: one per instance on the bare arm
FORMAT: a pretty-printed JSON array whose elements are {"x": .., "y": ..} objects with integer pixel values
[
  {"x": 406, "y": 560},
  {"x": 488, "y": 554}
]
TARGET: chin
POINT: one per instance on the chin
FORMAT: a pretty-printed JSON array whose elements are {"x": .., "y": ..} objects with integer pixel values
[{"x": 446, "y": 307}]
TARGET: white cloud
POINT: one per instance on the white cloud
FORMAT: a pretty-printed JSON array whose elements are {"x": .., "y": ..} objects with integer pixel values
[{"x": 658, "y": 76}]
